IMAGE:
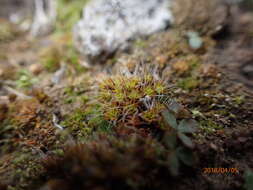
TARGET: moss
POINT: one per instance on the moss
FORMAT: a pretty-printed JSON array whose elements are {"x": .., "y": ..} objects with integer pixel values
[
  {"x": 7, "y": 31},
  {"x": 52, "y": 57},
  {"x": 6, "y": 136},
  {"x": 239, "y": 100},
  {"x": 84, "y": 99},
  {"x": 73, "y": 59},
  {"x": 75, "y": 93},
  {"x": 77, "y": 124},
  {"x": 123, "y": 98},
  {"x": 83, "y": 122},
  {"x": 32, "y": 125},
  {"x": 22, "y": 171},
  {"x": 25, "y": 79},
  {"x": 24, "y": 113},
  {"x": 186, "y": 65},
  {"x": 186, "y": 70},
  {"x": 104, "y": 157},
  {"x": 152, "y": 114},
  {"x": 188, "y": 83},
  {"x": 209, "y": 126}
]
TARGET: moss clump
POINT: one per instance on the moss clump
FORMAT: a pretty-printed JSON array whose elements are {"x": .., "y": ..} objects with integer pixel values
[
  {"x": 52, "y": 57},
  {"x": 83, "y": 122},
  {"x": 6, "y": 136},
  {"x": 24, "y": 115},
  {"x": 21, "y": 170},
  {"x": 239, "y": 100},
  {"x": 33, "y": 126},
  {"x": 209, "y": 126},
  {"x": 148, "y": 165},
  {"x": 76, "y": 123},
  {"x": 188, "y": 83},
  {"x": 186, "y": 65},
  {"x": 186, "y": 69},
  {"x": 74, "y": 93},
  {"x": 125, "y": 99}
]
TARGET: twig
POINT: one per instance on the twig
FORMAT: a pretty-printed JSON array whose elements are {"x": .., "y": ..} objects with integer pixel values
[{"x": 55, "y": 120}]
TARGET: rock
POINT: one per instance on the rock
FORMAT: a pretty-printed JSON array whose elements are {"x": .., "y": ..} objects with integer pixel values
[{"x": 107, "y": 26}]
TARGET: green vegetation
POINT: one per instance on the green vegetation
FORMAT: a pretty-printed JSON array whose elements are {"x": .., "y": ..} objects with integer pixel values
[
  {"x": 179, "y": 152},
  {"x": 82, "y": 123},
  {"x": 248, "y": 176},
  {"x": 105, "y": 157},
  {"x": 125, "y": 99},
  {"x": 209, "y": 126},
  {"x": 24, "y": 170},
  {"x": 25, "y": 79},
  {"x": 183, "y": 128},
  {"x": 52, "y": 58},
  {"x": 188, "y": 83},
  {"x": 69, "y": 12},
  {"x": 7, "y": 31},
  {"x": 187, "y": 69}
]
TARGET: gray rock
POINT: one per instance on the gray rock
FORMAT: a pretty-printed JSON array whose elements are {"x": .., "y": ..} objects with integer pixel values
[{"x": 108, "y": 25}]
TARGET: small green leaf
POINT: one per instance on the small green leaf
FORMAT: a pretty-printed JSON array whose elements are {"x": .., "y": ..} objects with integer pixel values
[
  {"x": 185, "y": 155},
  {"x": 187, "y": 126},
  {"x": 173, "y": 164},
  {"x": 170, "y": 140},
  {"x": 186, "y": 140},
  {"x": 170, "y": 119}
]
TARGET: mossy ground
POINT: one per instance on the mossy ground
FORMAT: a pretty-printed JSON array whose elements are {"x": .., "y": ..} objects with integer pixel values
[{"x": 111, "y": 124}]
